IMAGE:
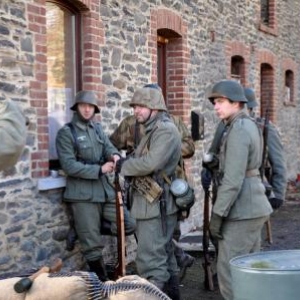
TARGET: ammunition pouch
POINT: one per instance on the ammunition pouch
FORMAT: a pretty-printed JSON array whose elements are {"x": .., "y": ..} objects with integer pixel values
[{"x": 148, "y": 188}]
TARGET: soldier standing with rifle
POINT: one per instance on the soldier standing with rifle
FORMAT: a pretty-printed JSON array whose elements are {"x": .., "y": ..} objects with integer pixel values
[
  {"x": 86, "y": 155},
  {"x": 156, "y": 156},
  {"x": 241, "y": 207},
  {"x": 274, "y": 162},
  {"x": 127, "y": 137}
]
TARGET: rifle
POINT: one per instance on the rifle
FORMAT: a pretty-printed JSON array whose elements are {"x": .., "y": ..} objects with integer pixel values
[
  {"x": 208, "y": 275},
  {"x": 162, "y": 203},
  {"x": 120, "y": 269},
  {"x": 263, "y": 170}
]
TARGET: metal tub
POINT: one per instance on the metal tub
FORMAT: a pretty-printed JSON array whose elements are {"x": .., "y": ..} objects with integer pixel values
[{"x": 270, "y": 275}]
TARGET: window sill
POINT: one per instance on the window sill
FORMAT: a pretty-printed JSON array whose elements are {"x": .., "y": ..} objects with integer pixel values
[
  {"x": 267, "y": 29},
  {"x": 293, "y": 104},
  {"x": 50, "y": 183}
]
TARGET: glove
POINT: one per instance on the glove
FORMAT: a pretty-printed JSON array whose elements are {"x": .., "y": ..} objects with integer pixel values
[
  {"x": 119, "y": 164},
  {"x": 215, "y": 227},
  {"x": 275, "y": 202},
  {"x": 206, "y": 178}
]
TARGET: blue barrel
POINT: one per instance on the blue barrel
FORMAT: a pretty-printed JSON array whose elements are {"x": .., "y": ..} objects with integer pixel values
[{"x": 269, "y": 275}]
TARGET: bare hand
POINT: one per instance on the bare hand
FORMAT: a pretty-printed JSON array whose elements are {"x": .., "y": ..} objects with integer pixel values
[
  {"x": 108, "y": 167},
  {"x": 115, "y": 159}
]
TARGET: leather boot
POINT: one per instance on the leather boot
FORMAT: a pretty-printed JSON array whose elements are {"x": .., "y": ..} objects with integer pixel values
[
  {"x": 98, "y": 267},
  {"x": 186, "y": 261},
  {"x": 173, "y": 288},
  {"x": 71, "y": 239}
]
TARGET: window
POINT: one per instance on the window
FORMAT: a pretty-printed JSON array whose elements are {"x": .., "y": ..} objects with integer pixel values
[
  {"x": 267, "y": 91},
  {"x": 161, "y": 64},
  {"x": 167, "y": 40},
  {"x": 237, "y": 69},
  {"x": 265, "y": 12},
  {"x": 63, "y": 67},
  {"x": 268, "y": 17},
  {"x": 289, "y": 87}
]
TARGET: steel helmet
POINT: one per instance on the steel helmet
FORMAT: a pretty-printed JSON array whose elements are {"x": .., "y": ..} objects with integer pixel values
[
  {"x": 153, "y": 86},
  {"x": 250, "y": 95},
  {"x": 230, "y": 89},
  {"x": 149, "y": 97},
  {"x": 88, "y": 97}
]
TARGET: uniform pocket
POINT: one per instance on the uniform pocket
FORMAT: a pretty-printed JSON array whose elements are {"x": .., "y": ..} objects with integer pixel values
[{"x": 78, "y": 189}]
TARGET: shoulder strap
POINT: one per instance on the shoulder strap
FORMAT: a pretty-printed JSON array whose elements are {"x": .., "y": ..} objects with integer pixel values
[
  {"x": 74, "y": 134},
  {"x": 136, "y": 134},
  {"x": 97, "y": 130},
  {"x": 146, "y": 142}
]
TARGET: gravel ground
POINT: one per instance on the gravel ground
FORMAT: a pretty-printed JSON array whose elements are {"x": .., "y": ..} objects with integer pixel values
[{"x": 286, "y": 236}]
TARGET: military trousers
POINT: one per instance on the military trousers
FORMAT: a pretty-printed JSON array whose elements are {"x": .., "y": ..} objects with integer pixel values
[
  {"x": 87, "y": 222},
  {"x": 155, "y": 258},
  {"x": 239, "y": 238}
]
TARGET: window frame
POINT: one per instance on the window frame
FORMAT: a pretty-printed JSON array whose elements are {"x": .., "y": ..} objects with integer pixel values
[
  {"x": 78, "y": 37},
  {"x": 162, "y": 65},
  {"x": 269, "y": 26},
  {"x": 289, "y": 81},
  {"x": 66, "y": 5},
  {"x": 237, "y": 60}
]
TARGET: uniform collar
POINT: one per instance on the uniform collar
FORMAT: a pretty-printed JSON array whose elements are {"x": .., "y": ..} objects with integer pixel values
[
  {"x": 232, "y": 118},
  {"x": 82, "y": 125},
  {"x": 149, "y": 125}
]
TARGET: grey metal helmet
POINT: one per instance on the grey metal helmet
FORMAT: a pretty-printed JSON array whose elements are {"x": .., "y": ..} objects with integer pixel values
[
  {"x": 88, "y": 97},
  {"x": 230, "y": 89},
  {"x": 153, "y": 86},
  {"x": 149, "y": 97},
  {"x": 250, "y": 95}
]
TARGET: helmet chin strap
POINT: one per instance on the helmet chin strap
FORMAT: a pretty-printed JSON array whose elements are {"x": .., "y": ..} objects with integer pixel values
[
  {"x": 148, "y": 117},
  {"x": 251, "y": 113}
]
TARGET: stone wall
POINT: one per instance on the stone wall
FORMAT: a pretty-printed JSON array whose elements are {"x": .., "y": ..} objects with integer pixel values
[{"x": 120, "y": 55}]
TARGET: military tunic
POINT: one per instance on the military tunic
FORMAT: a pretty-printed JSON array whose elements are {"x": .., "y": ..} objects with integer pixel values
[
  {"x": 275, "y": 156},
  {"x": 162, "y": 140},
  {"x": 88, "y": 191},
  {"x": 241, "y": 199}
]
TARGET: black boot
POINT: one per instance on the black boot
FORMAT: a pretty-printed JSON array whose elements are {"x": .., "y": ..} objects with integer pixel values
[
  {"x": 71, "y": 239},
  {"x": 185, "y": 261},
  {"x": 173, "y": 288},
  {"x": 98, "y": 267}
]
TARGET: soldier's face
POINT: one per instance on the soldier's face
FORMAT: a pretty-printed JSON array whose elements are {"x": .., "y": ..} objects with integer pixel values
[
  {"x": 141, "y": 113},
  {"x": 224, "y": 108},
  {"x": 86, "y": 110}
]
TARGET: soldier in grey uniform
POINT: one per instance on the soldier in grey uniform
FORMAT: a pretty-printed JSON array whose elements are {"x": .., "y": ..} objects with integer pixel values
[
  {"x": 12, "y": 133},
  {"x": 158, "y": 153},
  {"x": 277, "y": 173},
  {"x": 241, "y": 207},
  {"x": 127, "y": 136},
  {"x": 86, "y": 155}
]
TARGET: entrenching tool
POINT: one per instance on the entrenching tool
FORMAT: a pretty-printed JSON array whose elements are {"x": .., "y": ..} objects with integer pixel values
[{"x": 25, "y": 283}]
